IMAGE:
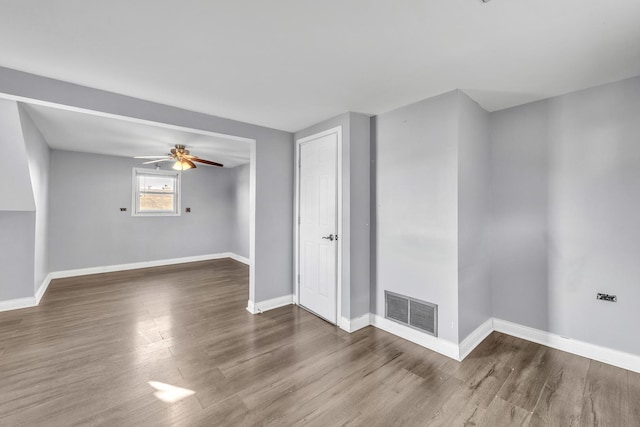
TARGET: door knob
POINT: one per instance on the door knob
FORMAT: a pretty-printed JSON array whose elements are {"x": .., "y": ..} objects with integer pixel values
[{"x": 329, "y": 237}]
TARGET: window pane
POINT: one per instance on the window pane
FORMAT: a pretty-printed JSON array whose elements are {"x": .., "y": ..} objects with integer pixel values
[
  {"x": 156, "y": 202},
  {"x": 164, "y": 184},
  {"x": 156, "y": 192}
]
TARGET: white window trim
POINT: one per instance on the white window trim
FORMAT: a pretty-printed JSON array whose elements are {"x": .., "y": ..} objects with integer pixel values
[{"x": 134, "y": 191}]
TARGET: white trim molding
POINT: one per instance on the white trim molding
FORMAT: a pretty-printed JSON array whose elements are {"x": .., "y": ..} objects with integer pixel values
[
  {"x": 355, "y": 324},
  {"x": 251, "y": 307},
  {"x": 18, "y": 303},
  {"x": 591, "y": 351},
  {"x": 446, "y": 348},
  {"x": 239, "y": 258},
  {"x": 270, "y": 304},
  {"x": 135, "y": 191},
  {"x": 475, "y": 338},
  {"x": 460, "y": 352},
  {"x": 137, "y": 265},
  {"x": 43, "y": 288}
]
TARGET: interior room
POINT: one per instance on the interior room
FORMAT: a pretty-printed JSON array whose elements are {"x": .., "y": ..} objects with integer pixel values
[{"x": 238, "y": 213}]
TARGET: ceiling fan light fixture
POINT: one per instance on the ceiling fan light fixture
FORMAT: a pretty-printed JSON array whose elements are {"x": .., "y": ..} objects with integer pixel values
[{"x": 182, "y": 165}]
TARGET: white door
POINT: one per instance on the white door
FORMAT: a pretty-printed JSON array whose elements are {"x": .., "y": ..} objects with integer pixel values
[{"x": 318, "y": 248}]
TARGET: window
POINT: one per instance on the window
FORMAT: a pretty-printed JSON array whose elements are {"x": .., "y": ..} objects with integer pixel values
[{"x": 156, "y": 192}]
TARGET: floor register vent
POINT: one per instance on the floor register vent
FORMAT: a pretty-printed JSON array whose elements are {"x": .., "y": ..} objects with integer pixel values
[{"x": 411, "y": 312}]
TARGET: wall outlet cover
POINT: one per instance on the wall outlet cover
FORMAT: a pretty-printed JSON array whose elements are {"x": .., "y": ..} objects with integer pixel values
[{"x": 607, "y": 297}]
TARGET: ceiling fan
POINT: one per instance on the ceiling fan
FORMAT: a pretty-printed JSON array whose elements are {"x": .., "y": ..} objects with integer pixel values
[{"x": 180, "y": 155}]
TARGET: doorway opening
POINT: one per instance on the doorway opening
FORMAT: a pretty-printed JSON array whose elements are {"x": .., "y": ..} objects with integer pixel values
[{"x": 99, "y": 133}]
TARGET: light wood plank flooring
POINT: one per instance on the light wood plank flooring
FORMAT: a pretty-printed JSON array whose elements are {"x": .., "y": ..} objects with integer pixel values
[{"x": 93, "y": 350}]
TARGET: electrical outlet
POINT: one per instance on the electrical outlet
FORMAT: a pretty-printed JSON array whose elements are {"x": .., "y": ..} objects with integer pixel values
[
  {"x": 607, "y": 297},
  {"x": 123, "y": 209}
]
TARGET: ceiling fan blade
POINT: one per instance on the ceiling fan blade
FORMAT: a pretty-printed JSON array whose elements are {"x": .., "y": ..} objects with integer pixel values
[
  {"x": 178, "y": 154},
  {"x": 207, "y": 162},
  {"x": 157, "y": 161}
]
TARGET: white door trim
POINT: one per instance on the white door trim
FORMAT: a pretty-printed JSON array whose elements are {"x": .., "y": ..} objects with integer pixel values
[{"x": 296, "y": 220}]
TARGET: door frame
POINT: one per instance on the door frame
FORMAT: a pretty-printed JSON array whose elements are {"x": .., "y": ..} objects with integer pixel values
[
  {"x": 99, "y": 112},
  {"x": 296, "y": 219}
]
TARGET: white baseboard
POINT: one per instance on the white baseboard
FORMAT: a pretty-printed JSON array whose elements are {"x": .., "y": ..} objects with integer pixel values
[
  {"x": 251, "y": 307},
  {"x": 591, "y": 351},
  {"x": 475, "y": 338},
  {"x": 270, "y": 304},
  {"x": 18, "y": 303},
  {"x": 15, "y": 304},
  {"x": 43, "y": 288},
  {"x": 239, "y": 258},
  {"x": 136, "y": 265},
  {"x": 580, "y": 348},
  {"x": 436, "y": 344},
  {"x": 356, "y": 323}
]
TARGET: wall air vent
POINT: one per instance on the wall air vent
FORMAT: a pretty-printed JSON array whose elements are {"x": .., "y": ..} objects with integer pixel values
[{"x": 411, "y": 312}]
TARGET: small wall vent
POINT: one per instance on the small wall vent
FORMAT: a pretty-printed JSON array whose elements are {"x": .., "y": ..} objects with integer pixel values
[{"x": 411, "y": 312}]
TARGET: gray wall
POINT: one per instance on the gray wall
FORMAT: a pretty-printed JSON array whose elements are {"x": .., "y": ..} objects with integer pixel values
[
  {"x": 519, "y": 216},
  {"x": 18, "y": 208},
  {"x": 273, "y": 261},
  {"x": 274, "y": 168},
  {"x": 417, "y": 206},
  {"x": 38, "y": 154},
  {"x": 594, "y": 229},
  {"x": 16, "y": 254},
  {"x": 88, "y": 229},
  {"x": 566, "y": 188},
  {"x": 16, "y": 193},
  {"x": 360, "y": 218},
  {"x": 355, "y": 208},
  {"x": 474, "y": 281},
  {"x": 240, "y": 222}
]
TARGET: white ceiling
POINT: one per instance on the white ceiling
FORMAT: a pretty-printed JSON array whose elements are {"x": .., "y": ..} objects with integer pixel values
[
  {"x": 288, "y": 64},
  {"x": 74, "y": 131}
]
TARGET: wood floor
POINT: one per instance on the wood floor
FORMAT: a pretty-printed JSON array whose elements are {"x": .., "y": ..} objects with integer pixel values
[{"x": 116, "y": 349}]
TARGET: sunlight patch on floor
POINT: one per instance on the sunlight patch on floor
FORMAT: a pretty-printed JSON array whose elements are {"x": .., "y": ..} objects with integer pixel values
[{"x": 169, "y": 393}]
